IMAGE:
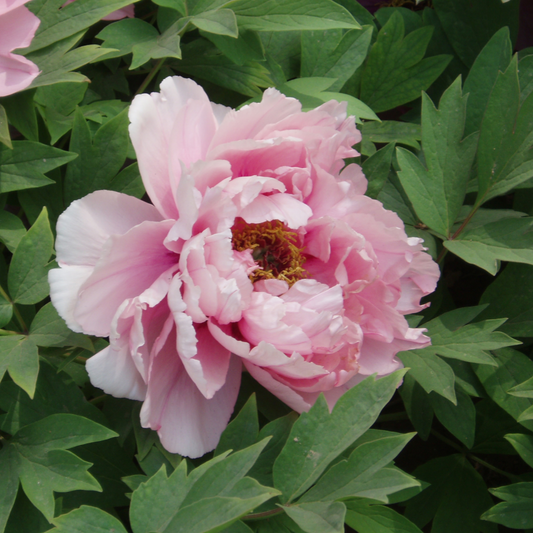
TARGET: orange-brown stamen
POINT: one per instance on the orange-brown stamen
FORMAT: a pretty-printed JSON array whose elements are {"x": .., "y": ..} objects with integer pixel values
[{"x": 275, "y": 248}]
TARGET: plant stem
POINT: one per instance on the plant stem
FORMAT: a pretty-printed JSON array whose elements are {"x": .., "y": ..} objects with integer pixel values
[
  {"x": 150, "y": 76},
  {"x": 512, "y": 477},
  {"x": 447, "y": 441}
]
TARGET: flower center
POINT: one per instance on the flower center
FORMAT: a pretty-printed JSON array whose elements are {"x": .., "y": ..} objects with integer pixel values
[{"x": 275, "y": 248}]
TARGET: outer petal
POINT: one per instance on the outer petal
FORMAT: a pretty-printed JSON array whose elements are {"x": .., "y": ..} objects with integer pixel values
[
  {"x": 17, "y": 28},
  {"x": 187, "y": 422},
  {"x": 16, "y": 73},
  {"x": 129, "y": 265}
]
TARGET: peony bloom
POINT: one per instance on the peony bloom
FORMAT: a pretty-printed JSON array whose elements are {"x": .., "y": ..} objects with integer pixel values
[
  {"x": 17, "y": 29},
  {"x": 125, "y": 12},
  {"x": 259, "y": 249}
]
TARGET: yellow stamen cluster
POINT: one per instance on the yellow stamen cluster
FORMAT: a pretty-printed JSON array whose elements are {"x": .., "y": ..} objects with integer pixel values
[{"x": 275, "y": 248}]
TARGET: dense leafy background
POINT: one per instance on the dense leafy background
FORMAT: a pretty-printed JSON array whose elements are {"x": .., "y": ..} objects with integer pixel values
[{"x": 446, "y": 111}]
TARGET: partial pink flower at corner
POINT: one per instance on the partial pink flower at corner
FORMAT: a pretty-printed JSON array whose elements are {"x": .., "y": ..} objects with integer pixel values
[
  {"x": 17, "y": 29},
  {"x": 259, "y": 250},
  {"x": 125, "y": 12}
]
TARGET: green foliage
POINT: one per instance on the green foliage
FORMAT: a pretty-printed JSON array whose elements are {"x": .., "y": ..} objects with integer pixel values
[{"x": 459, "y": 175}]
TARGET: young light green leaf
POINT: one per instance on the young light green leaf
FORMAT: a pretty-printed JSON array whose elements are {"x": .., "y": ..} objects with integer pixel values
[
  {"x": 28, "y": 273},
  {"x": 460, "y": 419},
  {"x": 508, "y": 239},
  {"x": 523, "y": 444},
  {"x": 58, "y": 23},
  {"x": 517, "y": 511},
  {"x": 366, "y": 518},
  {"x": 345, "y": 479},
  {"x": 334, "y": 54},
  {"x": 219, "y": 22},
  {"x": 431, "y": 372},
  {"x": 504, "y": 153},
  {"x": 318, "y": 437},
  {"x": 437, "y": 192},
  {"x": 513, "y": 368},
  {"x": 24, "y": 166},
  {"x": 318, "y": 517},
  {"x": 395, "y": 72},
  {"x": 277, "y": 15},
  {"x": 495, "y": 57},
  {"x": 87, "y": 520}
]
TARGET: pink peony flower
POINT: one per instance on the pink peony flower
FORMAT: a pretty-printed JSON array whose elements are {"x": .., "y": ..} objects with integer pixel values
[
  {"x": 125, "y": 12},
  {"x": 17, "y": 29},
  {"x": 260, "y": 250}
]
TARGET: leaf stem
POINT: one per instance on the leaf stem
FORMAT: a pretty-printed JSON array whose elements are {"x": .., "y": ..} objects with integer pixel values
[
  {"x": 150, "y": 76},
  {"x": 512, "y": 477},
  {"x": 264, "y": 514}
]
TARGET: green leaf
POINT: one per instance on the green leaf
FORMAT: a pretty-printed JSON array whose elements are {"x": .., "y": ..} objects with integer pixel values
[
  {"x": 470, "y": 26},
  {"x": 517, "y": 511},
  {"x": 213, "y": 495},
  {"x": 28, "y": 272},
  {"x": 219, "y": 22},
  {"x": 124, "y": 34},
  {"x": 21, "y": 113},
  {"x": 437, "y": 192},
  {"x": 8, "y": 489},
  {"x": 158, "y": 47},
  {"x": 417, "y": 405},
  {"x": 57, "y": 23},
  {"x": 455, "y": 499},
  {"x": 376, "y": 168},
  {"x": 511, "y": 295},
  {"x": 100, "y": 158},
  {"x": 508, "y": 239},
  {"x": 524, "y": 390},
  {"x": 334, "y": 54},
  {"x": 460, "y": 419},
  {"x": 5, "y": 137},
  {"x": 523, "y": 444},
  {"x": 318, "y": 517},
  {"x": 431, "y": 372},
  {"x": 366, "y": 518},
  {"x": 11, "y": 230},
  {"x": 495, "y": 57},
  {"x": 49, "y": 329},
  {"x": 277, "y": 15},
  {"x": 247, "y": 47},
  {"x": 471, "y": 342},
  {"x": 390, "y": 131},
  {"x": 395, "y": 72},
  {"x": 57, "y": 61},
  {"x": 318, "y": 437},
  {"x": 203, "y": 60},
  {"x": 24, "y": 166},
  {"x": 37, "y": 452},
  {"x": 61, "y": 97},
  {"x": 242, "y": 431},
  {"x": 19, "y": 356},
  {"x": 346, "y": 479},
  {"x": 504, "y": 153},
  {"x": 87, "y": 520},
  {"x": 513, "y": 368},
  {"x": 128, "y": 181}
]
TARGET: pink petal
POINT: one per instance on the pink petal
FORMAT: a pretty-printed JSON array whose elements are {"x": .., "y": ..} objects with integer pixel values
[
  {"x": 16, "y": 73},
  {"x": 129, "y": 264},
  {"x": 17, "y": 28}
]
